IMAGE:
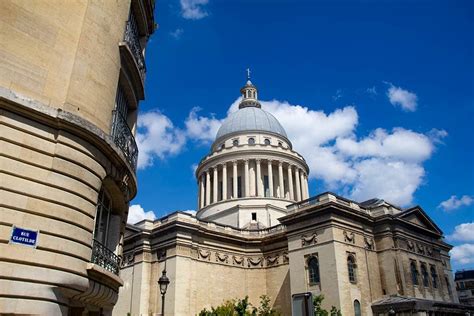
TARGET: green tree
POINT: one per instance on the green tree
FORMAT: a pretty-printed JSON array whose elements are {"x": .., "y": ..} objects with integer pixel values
[
  {"x": 241, "y": 307},
  {"x": 319, "y": 311}
]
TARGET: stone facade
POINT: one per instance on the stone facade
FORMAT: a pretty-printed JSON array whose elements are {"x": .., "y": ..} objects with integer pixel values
[
  {"x": 465, "y": 286},
  {"x": 65, "y": 171},
  {"x": 257, "y": 232}
]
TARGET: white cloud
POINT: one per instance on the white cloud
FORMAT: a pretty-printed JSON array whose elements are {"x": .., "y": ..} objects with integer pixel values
[
  {"x": 463, "y": 254},
  {"x": 400, "y": 144},
  {"x": 372, "y": 91},
  {"x": 404, "y": 98},
  {"x": 136, "y": 213},
  {"x": 463, "y": 232},
  {"x": 193, "y": 9},
  {"x": 157, "y": 137},
  {"x": 454, "y": 202},
  {"x": 393, "y": 180},
  {"x": 201, "y": 128},
  {"x": 177, "y": 33},
  {"x": 338, "y": 95},
  {"x": 383, "y": 164}
]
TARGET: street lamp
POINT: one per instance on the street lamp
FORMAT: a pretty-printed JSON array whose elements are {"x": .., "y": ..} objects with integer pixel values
[{"x": 163, "y": 283}]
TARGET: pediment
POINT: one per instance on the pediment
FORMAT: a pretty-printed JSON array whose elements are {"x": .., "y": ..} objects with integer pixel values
[{"x": 419, "y": 218}]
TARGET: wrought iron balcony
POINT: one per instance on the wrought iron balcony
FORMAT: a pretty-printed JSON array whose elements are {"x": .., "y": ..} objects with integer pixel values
[
  {"x": 123, "y": 138},
  {"x": 105, "y": 258},
  {"x": 132, "y": 38}
]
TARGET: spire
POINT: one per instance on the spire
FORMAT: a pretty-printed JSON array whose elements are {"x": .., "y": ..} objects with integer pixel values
[{"x": 249, "y": 94}]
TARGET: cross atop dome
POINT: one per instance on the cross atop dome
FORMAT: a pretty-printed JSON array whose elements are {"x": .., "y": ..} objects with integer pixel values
[{"x": 249, "y": 94}]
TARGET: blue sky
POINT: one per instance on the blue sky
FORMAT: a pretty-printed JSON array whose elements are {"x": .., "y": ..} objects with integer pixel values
[{"x": 386, "y": 89}]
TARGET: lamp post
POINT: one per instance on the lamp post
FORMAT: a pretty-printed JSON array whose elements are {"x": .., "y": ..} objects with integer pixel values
[{"x": 163, "y": 283}]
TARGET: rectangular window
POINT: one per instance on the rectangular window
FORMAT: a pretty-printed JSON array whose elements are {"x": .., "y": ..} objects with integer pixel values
[
  {"x": 266, "y": 187},
  {"x": 102, "y": 218},
  {"x": 239, "y": 186},
  {"x": 221, "y": 193},
  {"x": 254, "y": 216}
]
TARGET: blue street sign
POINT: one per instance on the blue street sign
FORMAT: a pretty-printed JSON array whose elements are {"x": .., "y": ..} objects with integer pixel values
[{"x": 24, "y": 237}]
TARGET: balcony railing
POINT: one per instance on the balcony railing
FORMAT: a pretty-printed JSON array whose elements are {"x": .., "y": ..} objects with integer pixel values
[
  {"x": 105, "y": 258},
  {"x": 132, "y": 38},
  {"x": 123, "y": 138}
]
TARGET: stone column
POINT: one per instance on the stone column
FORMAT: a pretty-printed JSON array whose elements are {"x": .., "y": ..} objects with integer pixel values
[
  {"x": 215, "y": 182},
  {"x": 306, "y": 185},
  {"x": 202, "y": 191},
  {"x": 280, "y": 179},
  {"x": 247, "y": 180},
  {"x": 298, "y": 186},
  {"x": 259, "y": 179},
  {"x": 234, "y": 180},
  {"x": 290, "y": 183},
  {"x": 303, "y": 188},
  {"x": 208, "y": 187},
  {"x": 224, "y": 181},
  {"x": 270, "y": 178}
]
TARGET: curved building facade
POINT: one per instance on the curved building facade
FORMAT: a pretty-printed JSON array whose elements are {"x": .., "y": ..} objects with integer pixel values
[{"x": 71, "y": 78}]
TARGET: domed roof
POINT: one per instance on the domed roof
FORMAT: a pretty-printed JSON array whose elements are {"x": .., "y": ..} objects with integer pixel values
[{"x": 250, "y": 119}]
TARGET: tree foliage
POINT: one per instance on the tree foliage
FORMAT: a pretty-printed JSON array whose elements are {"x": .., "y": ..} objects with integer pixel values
[
  {"x": 319, "y": 311},
  {"x": 242, "y": 307}
]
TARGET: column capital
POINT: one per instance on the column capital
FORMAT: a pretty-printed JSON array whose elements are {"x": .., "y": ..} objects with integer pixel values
[
  {"x": 258, "y": 160},
  {"x": 208, "y": 170},
  {"x": 246, "y": 161},
  {"x": 269, "y": 160},
  {"x": 235, "y": 162},
  {"x": 280, "y": 163}
]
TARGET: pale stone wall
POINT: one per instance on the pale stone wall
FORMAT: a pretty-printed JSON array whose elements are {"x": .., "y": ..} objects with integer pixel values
[{"x": 59, "y": 71}]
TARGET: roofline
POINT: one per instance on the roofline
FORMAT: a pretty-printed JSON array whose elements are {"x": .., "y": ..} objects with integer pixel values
[{"x": 229, "y": 135}]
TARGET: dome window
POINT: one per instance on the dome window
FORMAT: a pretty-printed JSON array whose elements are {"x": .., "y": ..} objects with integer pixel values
[
  {"x": 267, "y": 141},
  {"x": 251, "y": 141},
  {"x": 221, "y": 146},
  {"x": 235, "y": 142},
  {"x": 280, "y": 144}
]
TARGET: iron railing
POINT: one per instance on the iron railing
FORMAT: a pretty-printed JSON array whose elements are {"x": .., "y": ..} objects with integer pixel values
[
  {"x": 123, "y": 138},
  {"x": 132, "y": 38},
  {"x": 105, "y": 258}
]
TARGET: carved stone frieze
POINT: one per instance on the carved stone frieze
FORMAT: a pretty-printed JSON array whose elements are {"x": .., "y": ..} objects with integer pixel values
[
  {"x": 420, "y": 249},
  {"x": 309, "y": 240},
  {"x": 410, "y": 245},
  {"x": 254, "y": 262},
  {"x": 238, "y": 260},
  {"x": 222, "y": 257},
  {"x": 349, "y": 237},
  {"x": 369, "y": 243},
  {"x": 286, "y": 259},
  {"x": 161, "y": 255},
  {"x": 272, "y": 260},
  {"x": 128, "y": 259},
  {"x": 204, "y": 254}
]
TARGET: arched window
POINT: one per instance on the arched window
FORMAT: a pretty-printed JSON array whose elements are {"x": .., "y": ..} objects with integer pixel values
[
  {"x": 434, "y": 277},
  {"x": 424, "y": 275},
  {"x": 313, "y": 270},
  {"x": 235, "y": 142},
  {"x": 351, "y": 268},
  {"x": 267, "y": 141},
  {"x": 414, "y": 273},
  {"x": 357, "y": 311},
  {"x": 251, "y": 141}
]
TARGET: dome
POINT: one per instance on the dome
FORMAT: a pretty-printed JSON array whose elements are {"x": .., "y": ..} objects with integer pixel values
[{"x": 250, "y": 119}]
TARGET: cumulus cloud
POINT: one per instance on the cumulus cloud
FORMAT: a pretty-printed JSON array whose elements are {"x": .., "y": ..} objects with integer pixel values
[
  {"x": 157, "y": 137},
  {"x": 136, "y": 213},
  {"x": 193, "y": 9},
  {"x": 463, "y": 254},
  {"x": 407, "y": 100},
  {"x": 201, "y": 128},
  {"x": 454, "y": 202},
  {"x": 177, "y": 33},
  {"x": 463, "y": 232},
  {"x": 386, "y": 164}
]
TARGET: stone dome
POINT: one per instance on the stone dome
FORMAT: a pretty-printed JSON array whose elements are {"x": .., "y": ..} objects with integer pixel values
[{"x": 250, "y": 119}]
